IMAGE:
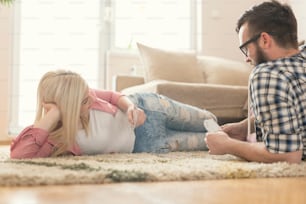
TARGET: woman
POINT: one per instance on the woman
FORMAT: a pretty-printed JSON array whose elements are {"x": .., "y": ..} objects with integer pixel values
[{"x": 73, "y": 119}]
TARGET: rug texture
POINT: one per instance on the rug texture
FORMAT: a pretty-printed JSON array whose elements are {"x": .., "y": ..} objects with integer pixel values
[{"x": 143, "y": 167}]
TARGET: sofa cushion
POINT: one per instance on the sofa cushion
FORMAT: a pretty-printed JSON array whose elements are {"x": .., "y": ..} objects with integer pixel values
[
  {"x": 217, "y": 70},
  {"x": 169, "y": 65}
]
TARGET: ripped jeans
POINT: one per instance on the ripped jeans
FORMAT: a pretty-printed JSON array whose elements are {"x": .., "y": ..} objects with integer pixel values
[{"x": 170, "y": 125}]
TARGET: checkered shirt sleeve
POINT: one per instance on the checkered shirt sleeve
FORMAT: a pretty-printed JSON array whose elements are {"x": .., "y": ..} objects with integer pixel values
[{"x": 278, "y": 99}]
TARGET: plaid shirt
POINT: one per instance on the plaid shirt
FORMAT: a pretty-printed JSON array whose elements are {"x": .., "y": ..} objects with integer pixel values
[{"x": 278, "y": 99}]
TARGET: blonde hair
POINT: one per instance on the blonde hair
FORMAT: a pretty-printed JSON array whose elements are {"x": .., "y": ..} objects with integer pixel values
[{"x": 66, "y": 89}]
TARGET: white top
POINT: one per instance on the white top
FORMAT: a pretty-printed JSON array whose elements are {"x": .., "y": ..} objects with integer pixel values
[{"x": 107, "y": 134}]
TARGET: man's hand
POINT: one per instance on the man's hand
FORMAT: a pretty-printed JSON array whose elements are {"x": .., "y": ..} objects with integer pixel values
[
  {"x": 217, "y": 142},
  {"x": 236, "y": 131}
]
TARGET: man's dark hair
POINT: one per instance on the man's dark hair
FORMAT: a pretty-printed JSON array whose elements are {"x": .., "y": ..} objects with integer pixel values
[{"x": 274, "y": 18}]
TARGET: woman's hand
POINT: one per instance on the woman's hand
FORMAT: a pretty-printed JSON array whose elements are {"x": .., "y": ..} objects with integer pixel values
[
  {"x": 51, "y": 118},
  {"x": 136, "y": 116},
  {"x": 51, "y": 108}
]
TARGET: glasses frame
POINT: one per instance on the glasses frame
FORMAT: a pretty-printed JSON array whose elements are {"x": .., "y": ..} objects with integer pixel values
[{"x": 243, "y": 48}]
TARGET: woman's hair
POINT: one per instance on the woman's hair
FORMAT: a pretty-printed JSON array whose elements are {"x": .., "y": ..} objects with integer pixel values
[
  {"x": 274, "y": 18},
  {"x": 65, "y": 89}
]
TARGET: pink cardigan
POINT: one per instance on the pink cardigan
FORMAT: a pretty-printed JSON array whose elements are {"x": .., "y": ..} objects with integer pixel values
[{"x": 34, "y": 142}]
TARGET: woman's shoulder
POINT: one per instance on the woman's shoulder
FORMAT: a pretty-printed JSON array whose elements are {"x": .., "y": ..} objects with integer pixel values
[{"x": 104, "y": 106}]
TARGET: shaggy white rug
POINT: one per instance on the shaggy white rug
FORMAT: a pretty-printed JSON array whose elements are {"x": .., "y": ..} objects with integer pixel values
[{"x": 144, "y": 167}]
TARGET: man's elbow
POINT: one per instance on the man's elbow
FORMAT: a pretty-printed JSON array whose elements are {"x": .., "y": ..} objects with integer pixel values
[
  {"x": 289, "y": 157},
  {"x": 295, "y": 157}
]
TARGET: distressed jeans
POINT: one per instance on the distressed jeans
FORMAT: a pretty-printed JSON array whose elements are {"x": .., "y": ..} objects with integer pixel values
[{"x": 170, "y": 125}]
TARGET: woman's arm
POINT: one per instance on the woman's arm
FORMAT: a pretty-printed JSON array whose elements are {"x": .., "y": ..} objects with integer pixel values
[
  {"x": 135, "y": 115},
  {"x": 109, "y": 96},
  {"x": 124, "y": 104},
  {"x": 33, "y": 141}
]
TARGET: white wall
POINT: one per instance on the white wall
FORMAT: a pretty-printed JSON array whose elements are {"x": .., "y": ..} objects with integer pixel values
[
  {"x": 219, "y": 23},
  {"x": 5, "y": 64},
  {"x": 121, "y": 63},
  {"x": 299, "y": 8}
]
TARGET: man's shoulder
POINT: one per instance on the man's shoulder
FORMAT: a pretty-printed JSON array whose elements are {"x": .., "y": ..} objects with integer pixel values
[
  {"x": 303, "y": 50},
  {"x": 266, "y": 67},
  {"x": 283, "y": 64}
]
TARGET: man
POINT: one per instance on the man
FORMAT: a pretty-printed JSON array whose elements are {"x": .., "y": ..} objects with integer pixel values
[{"x": 277, "y": 90}]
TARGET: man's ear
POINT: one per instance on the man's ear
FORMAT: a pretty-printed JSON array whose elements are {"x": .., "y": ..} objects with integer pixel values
[{"x": 265, "y": 40}]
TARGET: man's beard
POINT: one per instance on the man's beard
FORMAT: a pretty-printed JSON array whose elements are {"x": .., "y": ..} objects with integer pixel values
[{"x": 260, "y": 56}]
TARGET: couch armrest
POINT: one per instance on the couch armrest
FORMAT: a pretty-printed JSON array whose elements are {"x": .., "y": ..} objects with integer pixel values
[
  {"x": 226, "y": 102},
  {"x": 121, "y": 82}
]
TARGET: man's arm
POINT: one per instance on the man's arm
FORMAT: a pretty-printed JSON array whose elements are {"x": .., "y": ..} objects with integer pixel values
[{"x": 220, "y": 143}]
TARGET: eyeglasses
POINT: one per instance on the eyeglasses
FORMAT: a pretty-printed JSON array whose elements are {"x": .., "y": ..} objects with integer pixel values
[{"x": 244, "y": 48}]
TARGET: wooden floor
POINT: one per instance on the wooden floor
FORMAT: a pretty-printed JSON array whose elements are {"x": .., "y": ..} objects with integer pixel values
[{"x": 257, "y": 191}]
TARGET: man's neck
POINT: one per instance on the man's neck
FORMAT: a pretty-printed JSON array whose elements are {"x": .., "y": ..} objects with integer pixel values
[{"x": 278, "y": 53}]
